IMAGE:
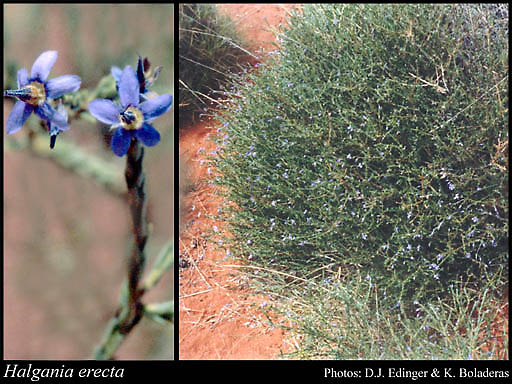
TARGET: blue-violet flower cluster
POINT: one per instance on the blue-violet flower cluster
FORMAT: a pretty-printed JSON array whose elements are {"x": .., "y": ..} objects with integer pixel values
[
  {"x": 131, "y": 119},
  {"x": 34, "y": 93}
]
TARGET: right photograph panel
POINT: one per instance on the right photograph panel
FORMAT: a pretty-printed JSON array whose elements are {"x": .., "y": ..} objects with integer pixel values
[{"x": 343, "y": 181}]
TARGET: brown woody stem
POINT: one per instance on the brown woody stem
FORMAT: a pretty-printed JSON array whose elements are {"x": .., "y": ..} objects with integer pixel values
[{"x": 131, "y": 308}]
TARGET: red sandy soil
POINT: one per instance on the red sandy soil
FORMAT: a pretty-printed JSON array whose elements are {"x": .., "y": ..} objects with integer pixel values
[
  {"x": 258, "y": 21},
  {"x": 499, "y": 332},
  {"x": 219, "y": 318}
]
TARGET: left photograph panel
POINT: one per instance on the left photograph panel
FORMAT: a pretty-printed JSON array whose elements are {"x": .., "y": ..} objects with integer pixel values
[{"x": 88, "y": 182}]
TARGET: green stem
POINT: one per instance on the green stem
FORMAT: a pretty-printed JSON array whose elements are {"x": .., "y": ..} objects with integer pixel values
[
  {"x": 71, "y": 157},
  {"x": 116, "y": 330},
  {"x": 162, "y": 264},
  {"x": 160, "y": 312}
]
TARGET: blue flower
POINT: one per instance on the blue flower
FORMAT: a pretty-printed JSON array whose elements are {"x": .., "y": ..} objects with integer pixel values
[
  {"x": 35, "y": 91},
  {"x": 143, "y": 76},
  {"x": 131, "y": 119}
]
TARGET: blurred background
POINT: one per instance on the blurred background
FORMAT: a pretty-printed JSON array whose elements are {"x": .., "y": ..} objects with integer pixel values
[{"x": 66, "y": 237}]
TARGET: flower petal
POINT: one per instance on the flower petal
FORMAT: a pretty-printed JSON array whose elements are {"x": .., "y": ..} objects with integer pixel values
[
  {"x": 19, "y": 114},
  {"x": 116, "y": 74},
  {"x": 22, "y": 77},
  {"x": 121, "y": 141},
  {"x": 129, "y": 88},
  {"x": 148, "y": 135},
  {"x": 54, "y": 129},
  {"x": 46, "y": 112},
  {"x": 61, "y": 85},
  {"x": 43, "y": 64},
  {"x": 105, "y": 111},
  {"x": 156, "y": 106}
]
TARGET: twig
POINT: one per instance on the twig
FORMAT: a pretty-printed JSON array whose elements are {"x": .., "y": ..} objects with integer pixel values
[
  {"x": 195, "y": 93},
  {"x": 160, "y": 312},
  {"x": 192, "y": 261},
  {"x": 434, "y": 85},
  {"x": 116, "y": 328},
  {"x": 485, "y": 93},
  {"x": 162, "y": 264},
  {"x": 71, "y": 157},
  {"x": 195, "y": 293},
  {"x": 215, "y": 34}
]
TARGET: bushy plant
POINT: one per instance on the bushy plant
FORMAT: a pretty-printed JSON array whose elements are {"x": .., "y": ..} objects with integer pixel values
[
  {"x": 210, "y": 49},
  {"x": 375, "y": 137}
]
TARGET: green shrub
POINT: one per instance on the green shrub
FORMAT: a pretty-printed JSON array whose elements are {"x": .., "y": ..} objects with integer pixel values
[
  {"x": 209, "y": 50},
  {"x": 376, "y": 137}
]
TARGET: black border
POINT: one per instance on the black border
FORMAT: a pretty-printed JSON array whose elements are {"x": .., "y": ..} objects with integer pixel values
[{"x": 237, "y": 370}]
